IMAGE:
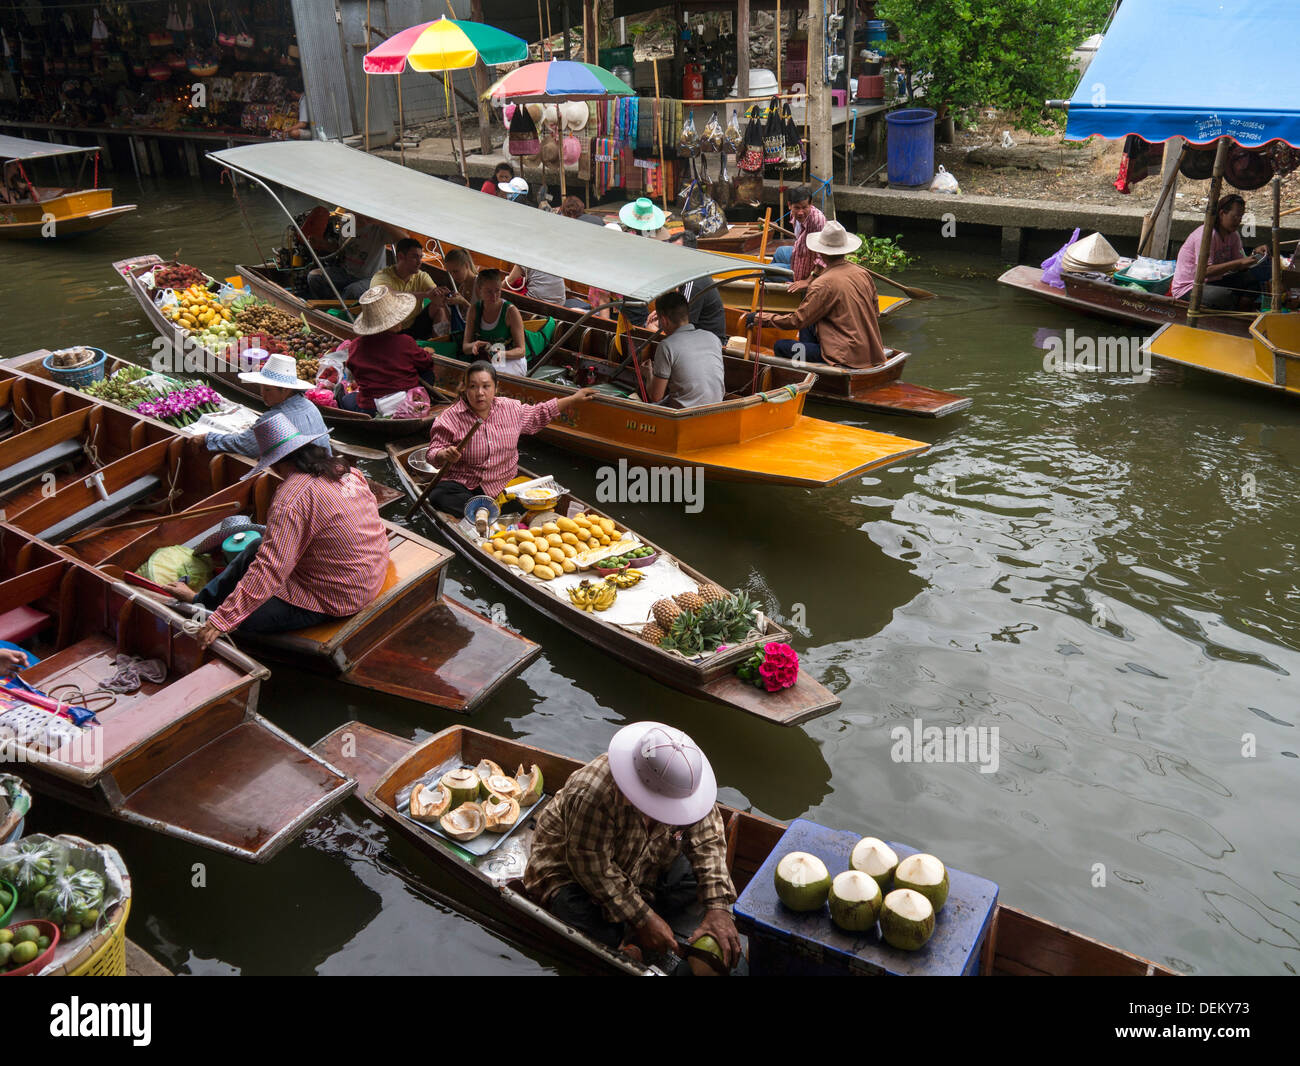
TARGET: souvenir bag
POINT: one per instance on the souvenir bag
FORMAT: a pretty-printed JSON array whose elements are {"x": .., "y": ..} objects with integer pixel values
[
  {"x": 523, "y": 139},
  {"x": 688, "y": 144},
  {"x": 714, "y": 138},
  {"x": 794, "y": 149},
  {"x": 700, "y": 213},
  {"x": 733, "y": 140},
  {"x": 722, "y": 186},
  {"x": 750, "y": 159},
  {"x": 774, "y": 137}
]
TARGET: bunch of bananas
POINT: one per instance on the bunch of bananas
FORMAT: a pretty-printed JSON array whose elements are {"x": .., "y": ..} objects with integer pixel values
[
  {"x": 625, "y": 579},
  {"x": 589, "y": 597}
]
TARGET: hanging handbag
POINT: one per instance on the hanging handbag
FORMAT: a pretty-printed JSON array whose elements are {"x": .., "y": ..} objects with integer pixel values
[
  {"x": 722, "y": 186},
  {"x": 523, "y": 139},
  {"x": 774, "y": 137},
  {"x": 688, "y": 144},
  {"x": 794, "y": 149},
  {"x": 733, "y": 139},
  {"x": 714, "y": 139},
  {"x": 750, "y": 159}
]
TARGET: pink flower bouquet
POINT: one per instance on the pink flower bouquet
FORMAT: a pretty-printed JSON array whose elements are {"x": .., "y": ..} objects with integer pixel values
[{"x": 774, "y": 668}]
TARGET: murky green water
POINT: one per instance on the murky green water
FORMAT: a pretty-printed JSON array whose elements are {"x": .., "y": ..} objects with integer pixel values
[{"x": 1102, "y": 569}]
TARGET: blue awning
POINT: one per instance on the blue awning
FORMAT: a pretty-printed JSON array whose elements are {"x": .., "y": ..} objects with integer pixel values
[{"x": 1200, "y": 69}]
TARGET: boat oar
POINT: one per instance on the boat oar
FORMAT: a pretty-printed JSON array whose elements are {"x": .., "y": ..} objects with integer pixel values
[
  {"x": 758, "y": 289},
  {"x": 438, "y": 476},
  {"x": 911, "y": 291},
  {"x": 231, "y": 507}
]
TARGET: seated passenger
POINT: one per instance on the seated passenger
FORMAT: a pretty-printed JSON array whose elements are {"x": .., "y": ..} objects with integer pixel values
[
  {"x": 405, "y": 275},
  {"x": 460, "y": 266},
  {"x": 688, "y": 366},
  {"x": 383, "y": 360},
  {"x": 494, "y": 321},
  {"x": 282, "y": 392}
]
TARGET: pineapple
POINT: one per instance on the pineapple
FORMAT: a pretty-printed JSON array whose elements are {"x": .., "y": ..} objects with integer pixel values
[
  {"x": 665, "y": 612},
  {"x": 711, "y": 593},
  {"x": 689, "y": 601},
  {"x": 652, "y": 632}
]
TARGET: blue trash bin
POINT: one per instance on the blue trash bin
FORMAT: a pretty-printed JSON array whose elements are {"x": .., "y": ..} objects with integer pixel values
[{"x": 910, "y": 146}]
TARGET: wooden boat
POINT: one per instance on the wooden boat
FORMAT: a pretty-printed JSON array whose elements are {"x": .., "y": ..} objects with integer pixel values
[
  {"x": 713, "y": 678},
  {"x": 1269, "y": 357},
  {"x": 53, "y": 212},
  {"x": 188, "y": 756},
  {"x": 226, "y": 372},
  {"x": 86, "y": 473},
  {"x": 491, "y": 889},
  {"x": 1116, "y": 302}
]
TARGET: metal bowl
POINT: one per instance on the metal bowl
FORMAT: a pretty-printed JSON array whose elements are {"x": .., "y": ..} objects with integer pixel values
[{"x": 421, "y": 465}]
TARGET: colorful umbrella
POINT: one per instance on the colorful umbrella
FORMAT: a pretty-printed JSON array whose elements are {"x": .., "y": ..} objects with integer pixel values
[
  {"x": 558, "y": 79},
  {"x": 445, "y": 44}
]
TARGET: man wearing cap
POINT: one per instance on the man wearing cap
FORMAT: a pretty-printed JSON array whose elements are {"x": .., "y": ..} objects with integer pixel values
[
  {"x": 282, "y": 392},
  {"x": 633, "y": 838},
  {"x": 838, "y": 320}
]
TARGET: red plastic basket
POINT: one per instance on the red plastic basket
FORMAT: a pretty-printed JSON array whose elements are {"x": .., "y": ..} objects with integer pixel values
[{"x": 37, "y": 964}]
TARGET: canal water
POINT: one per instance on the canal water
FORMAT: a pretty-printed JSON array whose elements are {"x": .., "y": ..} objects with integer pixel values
[{"x": 1099, "y": 568}]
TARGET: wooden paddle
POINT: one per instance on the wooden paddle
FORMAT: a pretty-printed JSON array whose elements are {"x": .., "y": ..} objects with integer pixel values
[
  {"x": 438, "y": 476},
  {"x": 910, "y": 291},
  {"x": 228, "y": 508},
  {"x": 753, "y": 327}
]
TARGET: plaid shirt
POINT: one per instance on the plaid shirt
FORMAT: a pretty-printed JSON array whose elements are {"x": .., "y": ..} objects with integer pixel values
[
  {"x": 802, "y": 260},
  {"x": 589, "y": 834}
]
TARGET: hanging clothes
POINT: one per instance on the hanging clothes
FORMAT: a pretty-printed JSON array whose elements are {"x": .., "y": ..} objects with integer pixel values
[{"x": 1139, "y": 160}]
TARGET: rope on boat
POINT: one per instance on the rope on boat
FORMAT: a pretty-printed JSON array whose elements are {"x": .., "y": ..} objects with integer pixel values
[
  {"x": 92, "y": 453},
  {"x": 30, "y": 421}
]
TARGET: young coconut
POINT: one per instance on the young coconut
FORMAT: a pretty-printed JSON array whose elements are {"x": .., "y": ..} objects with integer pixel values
[
  {"x": 855, "y": 901},
  {"x": 924, "y": 874},
  {"x": 530, "y": 782},
  {"x": 699, "y": 967},
  {"x": 802, "y": 881},
  {"x": 876, "y": 859},
  {"x": 463, "y": 784},
  {"x": 465, "y": 822},
  {"x": 502, "y": 785},
  {"x": 430, "y": 804},
  {"x": 486, "y": 768},
  {"x": 906, "y": 920},
  {"x": 500, "y": 813}
]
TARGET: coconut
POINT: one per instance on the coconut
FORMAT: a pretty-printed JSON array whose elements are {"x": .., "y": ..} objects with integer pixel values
[
  {"x": 875, "y": 858},
  {"x": 464, "y": 823},
  {"x": 502, "y": 785},
  {"x": 530, "y": 782},
  {"x": 855, "y": 901},
  {"x": 501, "y": 813},
  {"x": 710, "y": 946},
  {"x": 802, "y": 881},
  {"x": 430, "y": 804},
  {"x": 486, "y": 768},
  {"x": 463, "y": 785},
  {"x": 924, "y": 874},
  {"x": 906, "y": 920}
]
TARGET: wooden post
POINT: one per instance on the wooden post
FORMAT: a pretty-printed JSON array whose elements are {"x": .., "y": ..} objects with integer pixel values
[
  {"x": 755, "y": 334},
  {"x": 1155, "y": 226},
  {"x": 1275, "y": 303},
  {"x": 742, "y": 48},
  {"x": 455, "y": 118},
  {"x": 659, "y": 136},
  {"x": 568, "y": 30},
  {"x": 820, "y": 131},
  {"x": 481, "y": 87},
  {"x": 1207, "y": 233},
  {"x": 591, "y": 31},
  {"x": 401, "y": 121}
]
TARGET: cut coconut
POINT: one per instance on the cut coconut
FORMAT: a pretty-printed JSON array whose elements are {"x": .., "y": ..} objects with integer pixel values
[
  {"x": 463, "y": 784},
  {"x": 906, "y": 920},
  {"x": 530, "y": 784},
  {"x": 699, "y": 967},
  {"x": 430, "y": 804},
  {"x": 464, "y": 823},
  {"x": 802, "y": 881},
  {"x": 502, "y": 785},
  {"x": 486, "y": 768},
  {"x": 924, "y": 874},
  {"x": 855, "y": 901},
  {"x": 501, "y": 813},
  {"x": 876, "y": 859}
]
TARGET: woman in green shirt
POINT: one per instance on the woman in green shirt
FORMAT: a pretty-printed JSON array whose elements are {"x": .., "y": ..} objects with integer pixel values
[{"x": 494, "y": 321}]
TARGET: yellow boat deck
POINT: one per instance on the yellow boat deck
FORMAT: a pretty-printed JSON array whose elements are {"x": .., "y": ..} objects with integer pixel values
[{"x": 1270, "y": 356}]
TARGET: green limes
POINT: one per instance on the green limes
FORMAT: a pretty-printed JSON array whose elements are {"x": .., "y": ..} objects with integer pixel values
[
  {"x": 6, "y": 898},
  {"x": 28, "y": 933},
  {"x": 91, "y": 917},
  {"x": 5, "y": 951},
  {"x": 24, "y": 953},
  {"x": 70, "y": 930},
  {"x": 42, "y": 942},
  {"x": 6, "y": 936}
]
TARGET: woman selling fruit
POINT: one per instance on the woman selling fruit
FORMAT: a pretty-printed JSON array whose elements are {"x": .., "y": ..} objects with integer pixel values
[
  {"x": 491, "y": 455},
  {"x": 383, "y": 360}
]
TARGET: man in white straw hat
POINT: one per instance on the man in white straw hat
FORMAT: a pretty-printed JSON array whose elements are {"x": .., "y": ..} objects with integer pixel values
[
  {"x": 635, "y": 838},
  {"x": 839, "y": 318},
  {"x": 282, "y": 392},
  {"x": 383, "y": 360}
]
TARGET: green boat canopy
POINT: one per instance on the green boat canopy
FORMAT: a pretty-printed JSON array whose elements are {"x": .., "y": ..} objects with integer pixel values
[
  {"x": 21, "y": 148},
  {"x": 623, "y": 263}
]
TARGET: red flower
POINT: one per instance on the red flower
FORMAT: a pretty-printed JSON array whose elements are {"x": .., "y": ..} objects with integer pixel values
[{"x": 780, "y": 667}]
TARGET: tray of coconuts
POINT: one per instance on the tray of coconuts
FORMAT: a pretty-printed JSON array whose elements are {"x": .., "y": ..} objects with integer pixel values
[{"x": 474, "y": 807}]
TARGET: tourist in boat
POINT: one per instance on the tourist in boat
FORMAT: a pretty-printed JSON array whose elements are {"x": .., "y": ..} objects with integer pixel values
[
  {"x": 495, "y": 323},
  {"x": 359, "y": 260},
  {"x": 460, "y": 268},
  {"x": 323, "y": 555},
  {"x": 706, "y": 307},
  {"x": 501, "y": 176},
  {"x": 383, "y": 359},
  {"x": 687, "y": 368},
  {"x": 15, "y": 189},
  {"x": 839, "y": 319},
  {"x": 283, "y": 393},
  {"x": 1237, "y": 277},
  {"x": 807, "y": 220},
  {"x": 491, "y": 457},
  {"x": 405, "y": 275},
  {"x": 633, "y": 842}
]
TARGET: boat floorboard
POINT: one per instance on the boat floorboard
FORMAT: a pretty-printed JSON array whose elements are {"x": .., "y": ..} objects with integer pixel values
[
  {"x": 901, "y": 398},
  {"x": 1216, "y": 353},
  {"x": 363, "y": 751}
]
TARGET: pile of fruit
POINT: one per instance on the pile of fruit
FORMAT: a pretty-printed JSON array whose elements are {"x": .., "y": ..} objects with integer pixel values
[
  {"x": 70, "y": 898},
  {"x": 466, "y": 803},
  {"x": 552, "y": 548},
  {"x": 122, "y": 388},
  {"x": 626, "y": 558},
  {"x": 21, "y": 946},
  {"x": 179, "y": 276},
  {"x": 903, "y": 896},
  {"x": 252, "y": 316},
  {"x": 696, "y": 623},
  {"x": 205, "y": 317}
]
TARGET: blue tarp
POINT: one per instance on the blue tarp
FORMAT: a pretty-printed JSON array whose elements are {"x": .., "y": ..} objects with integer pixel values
[{"x": 1200, "y": 69}]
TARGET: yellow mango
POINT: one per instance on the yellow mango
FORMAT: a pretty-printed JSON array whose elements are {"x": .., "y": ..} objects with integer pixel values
[
  {"x": 527, "y": 547},
  {"x": 554, "y": 540},
  {"x": 566, "y": 525},
  {"x": 568, "y": 538},
  {"x": 607, "y": 525},
  {"x": 551, "y": 527},
  {"x": 527, "y": 563},
  {"x": 543, "y": 571},
  {"x": 604, "y": 540},
  {"x": 569, "y": 566},
  {"x": 569, "y": 550},
  {"x": 556, "y": 555},
  {"x": 593, "y": 543}
]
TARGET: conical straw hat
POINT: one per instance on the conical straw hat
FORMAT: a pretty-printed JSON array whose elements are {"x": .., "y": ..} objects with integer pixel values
[{"x": 1092, "y": 252}]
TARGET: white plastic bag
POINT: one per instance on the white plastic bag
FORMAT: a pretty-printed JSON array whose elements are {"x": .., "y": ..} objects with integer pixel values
[
  {"x": 386, "y": 405},
  {"x": 945, "y": 182}
]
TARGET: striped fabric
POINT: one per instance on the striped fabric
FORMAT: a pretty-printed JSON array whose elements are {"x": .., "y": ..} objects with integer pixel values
[
  {"x": 491, "y": 458},
  {"x": 325, "y": 549},
  {"x": 803, "y": 260}
]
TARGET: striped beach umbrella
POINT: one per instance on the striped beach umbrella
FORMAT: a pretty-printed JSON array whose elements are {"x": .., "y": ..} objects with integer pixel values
[
  {"x": 558, "y": 79},
  {"x": 445, "y": 44}
]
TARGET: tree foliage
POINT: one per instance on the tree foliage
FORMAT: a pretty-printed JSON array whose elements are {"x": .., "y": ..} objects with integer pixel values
[{"x": 995, "y": 53}]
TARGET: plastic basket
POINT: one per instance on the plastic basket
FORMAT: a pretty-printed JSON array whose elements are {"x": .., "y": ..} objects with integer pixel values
[
  {"x": 78, "y": 377},
  {"x": 49, "y": 929},
  {"x": 1159, "y": 286},
  {"x": 108, "y": 958}
]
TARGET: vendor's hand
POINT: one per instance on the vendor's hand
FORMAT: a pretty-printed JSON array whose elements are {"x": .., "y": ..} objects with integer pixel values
[
  {"x": 583, "y": 395},
  {"x": 181, "y": 591},
  {"x": 11, "y": 661},
  {"x": 719, "y": 924},
  {"x": 207, "y": 635},
  {"x": 655, "y": 936},
  {"x": 446, "y": 455},
  {"x": 1261, "y": 250}
]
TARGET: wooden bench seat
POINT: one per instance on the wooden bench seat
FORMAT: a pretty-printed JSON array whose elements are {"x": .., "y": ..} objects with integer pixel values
[
  {"x": 131, "y": 493},
  {"x": 22, "y": 623},
  {"x": 65, "y": 451}
]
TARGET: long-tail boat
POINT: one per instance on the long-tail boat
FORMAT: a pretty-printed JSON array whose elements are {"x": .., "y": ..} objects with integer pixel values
[
  {"x": 490, "y": 887},
  {"x": 86, "y": 478},
  {"x": 710, "y": 677},
  {"x": 759, "y": 434},
  {"x": 187, "y": 755},
  {"x": 51, "y": 212},
  {"x": 1268, "y": 358}
]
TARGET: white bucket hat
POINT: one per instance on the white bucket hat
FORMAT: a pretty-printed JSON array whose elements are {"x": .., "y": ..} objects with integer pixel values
[
  {"x": 833, "y": 239},
  {"x": 514, "y": 188},
  {"x": 663, "y": 773},
  {"x": 382, "y": 309},
  {"x": 280, "y": 371}
]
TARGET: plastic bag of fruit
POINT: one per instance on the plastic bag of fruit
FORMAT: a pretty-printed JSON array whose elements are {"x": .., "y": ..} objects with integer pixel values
[
  {"x": 73, "y": 900},
  {"x": 29, "y": 866}
]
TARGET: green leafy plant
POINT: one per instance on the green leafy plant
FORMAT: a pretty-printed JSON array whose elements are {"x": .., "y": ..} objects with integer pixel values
[{"x": 881, "y": 254}]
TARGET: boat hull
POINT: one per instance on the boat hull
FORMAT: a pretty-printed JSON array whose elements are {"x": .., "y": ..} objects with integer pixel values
[{"x": 60, "y": 217}]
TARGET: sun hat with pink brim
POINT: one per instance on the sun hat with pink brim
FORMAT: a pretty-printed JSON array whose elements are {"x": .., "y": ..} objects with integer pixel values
[
  {"x": 277, "y": 437},
  {"x": 663, "y": 773}
]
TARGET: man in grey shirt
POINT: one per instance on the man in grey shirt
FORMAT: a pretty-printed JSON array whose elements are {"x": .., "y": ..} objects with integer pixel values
[{"x": 688, "y": 363}]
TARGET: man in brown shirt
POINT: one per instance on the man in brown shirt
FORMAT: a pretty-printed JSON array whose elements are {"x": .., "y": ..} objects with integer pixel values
[
  {"x": 634, "y": 838},
  {"x": 838, "y": 320}
]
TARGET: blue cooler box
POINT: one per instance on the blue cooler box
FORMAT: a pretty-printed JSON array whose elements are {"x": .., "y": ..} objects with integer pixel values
[{"x": 785, "y": 943}]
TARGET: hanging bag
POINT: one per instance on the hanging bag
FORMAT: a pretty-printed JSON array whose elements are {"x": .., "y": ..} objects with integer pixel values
[
  {"x": 688, "y": 144},
  {"x": 523, "y": 139},
  {"x": 774, "y": 137},
  {"x": 714, "y": 138},
  {"x": 751, "y": 158},
  {"x": 733, "y": 139},
  {"x": 794, "y": 150}
]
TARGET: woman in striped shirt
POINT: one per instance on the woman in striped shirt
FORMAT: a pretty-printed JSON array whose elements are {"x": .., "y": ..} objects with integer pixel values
[{"x": 491, "y": 456}]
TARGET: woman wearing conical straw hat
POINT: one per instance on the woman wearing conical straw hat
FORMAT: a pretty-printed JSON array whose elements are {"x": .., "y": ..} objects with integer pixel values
[{"x": 383, "y": 360}]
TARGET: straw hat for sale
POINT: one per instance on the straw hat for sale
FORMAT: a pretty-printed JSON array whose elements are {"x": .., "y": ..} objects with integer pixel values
[
  {"x": 1092, "y": 253},
  {"x": 833, "y": 239},
  {"x": 642, "y": 215},
  {"x": 382, "y": 309},
  {"x": 575, "y": 115}
]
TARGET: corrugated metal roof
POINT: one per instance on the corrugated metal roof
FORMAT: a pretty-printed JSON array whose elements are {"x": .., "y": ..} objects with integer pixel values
[
  {"x": 622, "y": 263},
  {"x": 21, "y": 148}
]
